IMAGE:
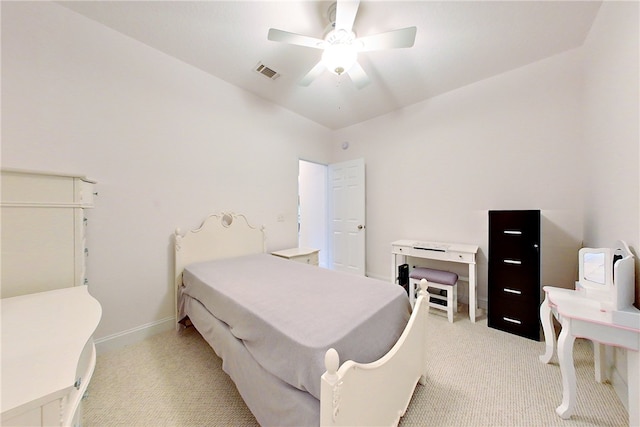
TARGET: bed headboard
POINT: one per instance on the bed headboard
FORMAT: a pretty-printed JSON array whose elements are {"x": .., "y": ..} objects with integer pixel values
[{"x": 221, "y": 235}]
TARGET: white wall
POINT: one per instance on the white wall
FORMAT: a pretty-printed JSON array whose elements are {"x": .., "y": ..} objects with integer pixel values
[
  {"x": 509, "y": 142},
  {"x": 612, "y": 140},
  {"x": 166, "y": 142},
  {"x": 612, "y": 127}
]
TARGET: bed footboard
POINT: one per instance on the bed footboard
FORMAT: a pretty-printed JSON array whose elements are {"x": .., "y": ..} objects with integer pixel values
[{"x": 377, "y": 393}]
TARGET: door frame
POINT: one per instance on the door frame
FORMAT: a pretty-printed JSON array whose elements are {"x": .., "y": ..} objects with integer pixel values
[
  {"x": 319, "y": 189},
  {"x": 312, "y": 196}
]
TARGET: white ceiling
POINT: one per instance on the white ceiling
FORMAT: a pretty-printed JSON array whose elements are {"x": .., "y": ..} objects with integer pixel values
[{"x": 457, "y": 43}]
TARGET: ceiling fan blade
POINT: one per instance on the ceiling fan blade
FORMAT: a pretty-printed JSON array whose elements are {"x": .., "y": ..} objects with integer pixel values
[
  {"x": 297, "y": 39},
  {"x": 404, "y": 37},
  {"x": 311, "y": 75},
  {"x": 358, "y": 76},
  {"x": 346, "y": 13}
]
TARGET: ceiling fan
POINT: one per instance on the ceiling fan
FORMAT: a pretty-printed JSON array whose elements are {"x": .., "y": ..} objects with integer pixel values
[{"x": 340, "y": 45}]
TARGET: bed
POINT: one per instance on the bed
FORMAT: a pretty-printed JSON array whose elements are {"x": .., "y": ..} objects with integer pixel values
[{"x": 281, "y": 327}]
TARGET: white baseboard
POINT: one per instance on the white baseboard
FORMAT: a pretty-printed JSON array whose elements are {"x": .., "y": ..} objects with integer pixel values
[{"x": 134, "y": 335}]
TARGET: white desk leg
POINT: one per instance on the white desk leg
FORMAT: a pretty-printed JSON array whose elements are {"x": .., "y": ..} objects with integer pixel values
[
  {"x": 547, "y": 328},
  {"x": 395, "y": 264},
  {"x": 633, "y": 373},
  {"x": 473, "y": 304},
  {"x": 600, "y": 362},
  {"x": 568, "y": 371},
  {"x": 394, "y": 268}
]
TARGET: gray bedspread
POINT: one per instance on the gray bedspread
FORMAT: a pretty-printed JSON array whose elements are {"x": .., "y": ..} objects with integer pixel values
[{"x": 288, "y": 314}]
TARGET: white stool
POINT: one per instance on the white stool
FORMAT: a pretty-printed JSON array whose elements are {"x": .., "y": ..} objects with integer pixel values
[{"x": 437, "y": 280}]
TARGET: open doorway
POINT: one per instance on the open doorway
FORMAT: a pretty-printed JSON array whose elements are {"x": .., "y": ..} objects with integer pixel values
[{"x": 312, "y": 208}]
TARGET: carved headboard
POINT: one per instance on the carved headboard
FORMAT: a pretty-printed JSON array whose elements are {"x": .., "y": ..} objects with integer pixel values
[{"x": 221, "y": 235}]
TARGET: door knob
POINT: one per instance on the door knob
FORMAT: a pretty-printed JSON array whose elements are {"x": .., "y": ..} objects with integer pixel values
[{"x": 360, "y": 227}]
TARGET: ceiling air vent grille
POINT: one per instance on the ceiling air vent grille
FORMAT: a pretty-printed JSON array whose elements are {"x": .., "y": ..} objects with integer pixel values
[{"x": 266, "y": 71}]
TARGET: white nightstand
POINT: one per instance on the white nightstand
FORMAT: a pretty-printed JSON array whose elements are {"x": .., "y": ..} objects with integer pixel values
[{"x": 303, "y": 255}]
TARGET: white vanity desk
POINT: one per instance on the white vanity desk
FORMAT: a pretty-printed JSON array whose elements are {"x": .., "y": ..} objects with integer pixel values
[
  {"x": 600, "y": 311},
  {"x": 48, "y": 356},
  {"x": 452, "y": 252},
  {"x": 582, "y": 317}
]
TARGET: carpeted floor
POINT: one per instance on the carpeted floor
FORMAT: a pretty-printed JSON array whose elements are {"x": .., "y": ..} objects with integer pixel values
[{"x": 477, "y": 376}]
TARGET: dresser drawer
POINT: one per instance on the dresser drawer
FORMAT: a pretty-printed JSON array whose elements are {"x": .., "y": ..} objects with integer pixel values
[
  {"x": 302, "y": 255},
  {"x": 509, "y": 273},
  {"x": 517, "y": 317},
  {"x": 461, "y": 257},
  {"x": 435, "y": 251},
  {"x": 524, "y": 223},
  {"x": 516, "y": 289},
  {"x": 523, "y": 250},
  {"x": 307, "y": 259}
]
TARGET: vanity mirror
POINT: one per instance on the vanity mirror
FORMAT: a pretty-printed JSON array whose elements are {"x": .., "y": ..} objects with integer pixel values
[{"x": 606, "y": 275}]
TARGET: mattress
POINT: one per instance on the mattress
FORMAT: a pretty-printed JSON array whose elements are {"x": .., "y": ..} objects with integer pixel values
[
  {"x": 284, "y": 406},
  {"x": 288, "y": 314}
]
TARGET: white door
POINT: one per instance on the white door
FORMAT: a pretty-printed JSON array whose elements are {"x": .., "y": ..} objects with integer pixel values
[{"x": 347, "y": 216}]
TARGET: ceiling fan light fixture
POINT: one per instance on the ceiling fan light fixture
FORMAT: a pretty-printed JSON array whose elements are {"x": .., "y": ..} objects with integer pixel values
[
  {"x": 340, "y": 52},
  {"x": 341, "y": 47},
  {"x": 339, "y": 58}
]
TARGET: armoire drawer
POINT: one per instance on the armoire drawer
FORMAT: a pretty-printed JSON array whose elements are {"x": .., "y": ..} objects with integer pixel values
[
  {"x": 43, "y": 220},
  {"x": 29, "y": 188}
]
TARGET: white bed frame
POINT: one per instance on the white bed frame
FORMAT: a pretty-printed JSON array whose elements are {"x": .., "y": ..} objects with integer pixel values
[{"x": 353, "y": 394}]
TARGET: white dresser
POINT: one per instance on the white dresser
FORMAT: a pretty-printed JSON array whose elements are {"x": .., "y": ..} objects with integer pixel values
[
  {"x": 303, "y": 255},
  {"x": 48, "y": 356},
  {"x": 43, "y": 231}
]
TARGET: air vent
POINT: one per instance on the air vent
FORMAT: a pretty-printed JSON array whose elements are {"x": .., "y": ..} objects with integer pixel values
[{"x": 266, "y": 71}]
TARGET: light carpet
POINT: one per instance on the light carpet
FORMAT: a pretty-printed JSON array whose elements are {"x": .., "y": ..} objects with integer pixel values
[{"x": 477, "y": 376}]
